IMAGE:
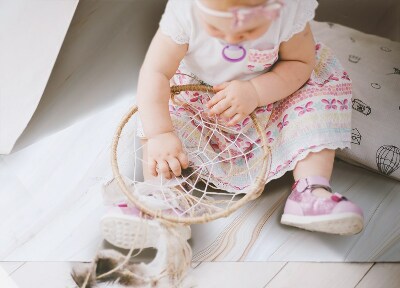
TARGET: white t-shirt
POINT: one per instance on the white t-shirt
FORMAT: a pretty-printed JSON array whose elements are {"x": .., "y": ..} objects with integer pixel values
[{"x": 204, "y": 57}]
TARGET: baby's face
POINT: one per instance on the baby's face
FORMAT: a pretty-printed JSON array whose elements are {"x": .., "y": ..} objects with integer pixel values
[{"x": 224, "y": 29}]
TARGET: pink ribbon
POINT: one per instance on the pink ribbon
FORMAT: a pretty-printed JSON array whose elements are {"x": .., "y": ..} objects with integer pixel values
[{"x": 271, "y": 11}]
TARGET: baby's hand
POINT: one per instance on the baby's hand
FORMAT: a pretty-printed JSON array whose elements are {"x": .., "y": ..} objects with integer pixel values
[
  {"x": 165, "y": 154},
  {"x": 234, "y": 101}
]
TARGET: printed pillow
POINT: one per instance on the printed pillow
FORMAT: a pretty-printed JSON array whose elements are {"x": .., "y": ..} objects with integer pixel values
[{"x": 373, "y": 64}]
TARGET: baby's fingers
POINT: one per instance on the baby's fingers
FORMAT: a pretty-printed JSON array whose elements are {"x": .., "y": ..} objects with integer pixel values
[
  {"x": 175, "y": 166},
  {"x": 229, "y": 113},
  {"x": 163, "y": 169},
  {"x": 152, "y": 167},
  {"x": 215, "y": 99},
  {"x": 220, "y": 87},
  {"x": 236, "y": 119},
  {"x": 183, "y": 159}
]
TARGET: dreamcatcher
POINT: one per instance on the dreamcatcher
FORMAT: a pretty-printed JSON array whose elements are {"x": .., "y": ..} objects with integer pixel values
[{"x": 228, "y": 167}]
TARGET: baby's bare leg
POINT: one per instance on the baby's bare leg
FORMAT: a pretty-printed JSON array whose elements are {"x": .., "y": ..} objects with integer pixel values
[{"x": 316, "y": 164}]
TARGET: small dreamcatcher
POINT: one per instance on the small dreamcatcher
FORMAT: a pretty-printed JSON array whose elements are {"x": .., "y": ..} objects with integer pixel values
[
  {"x": 228, "y": 167},
  {"x": 220, "y": 157}
]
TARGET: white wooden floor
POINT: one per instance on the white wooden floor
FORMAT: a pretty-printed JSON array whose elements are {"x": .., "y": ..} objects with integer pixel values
[
  {"x": 50, "y": 210},
  {"x": 255, "y": 232},
  {"x": 226, "y": 275}
]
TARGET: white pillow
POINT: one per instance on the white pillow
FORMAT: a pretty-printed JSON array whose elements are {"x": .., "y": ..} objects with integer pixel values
[{"x": 373, "y": 64}]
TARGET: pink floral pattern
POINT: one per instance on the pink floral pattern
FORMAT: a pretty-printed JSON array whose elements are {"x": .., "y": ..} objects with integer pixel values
[
  {"x": 283, "y": 123},
  {"x": 259, "y": 60},
  {"x": 331, "y": 104},
  {"x": 330, "y": 79},
  {"x": 270, "y": 139},
  {"x": 304, "y": 109},
  {"x": 345, "y": 76},
  {"x": 343, "y": 104}
]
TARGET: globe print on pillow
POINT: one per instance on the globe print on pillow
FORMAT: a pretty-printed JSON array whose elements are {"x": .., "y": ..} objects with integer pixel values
[{"x": 388, "y": 159}]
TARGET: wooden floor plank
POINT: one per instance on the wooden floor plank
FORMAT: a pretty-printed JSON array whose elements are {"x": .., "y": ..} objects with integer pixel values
[
  {"x": 380, "y": 240},
  {"x": 5, "y": 280},
  {"x": 11, "y": 267},
  {"x": 44, "y": 275},
  {"x": 203, "y": 275},
  {"x": 382, "y": 275},
  {"x": 235, "y": 274},
  {"x": 327, "y": 275}
]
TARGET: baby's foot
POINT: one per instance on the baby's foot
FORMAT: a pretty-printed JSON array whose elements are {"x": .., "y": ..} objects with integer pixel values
[
  {"x": 312, "y": 206},
  {"x": 125, "y": 226},
  {"x": 321, "y": 192}
]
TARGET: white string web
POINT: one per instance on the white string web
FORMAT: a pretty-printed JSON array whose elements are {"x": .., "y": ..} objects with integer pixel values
[{"x": 223, "y": 161}]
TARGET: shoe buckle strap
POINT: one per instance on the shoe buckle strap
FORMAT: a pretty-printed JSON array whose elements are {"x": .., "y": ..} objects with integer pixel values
[
  {"x": 312, "y": 187},
  {"x": 312, "y": 183},
  {"x": 337, "y": 197}
]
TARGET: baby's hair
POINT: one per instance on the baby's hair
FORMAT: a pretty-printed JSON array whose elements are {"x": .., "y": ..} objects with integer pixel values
[{"x": 224, "y": 5}]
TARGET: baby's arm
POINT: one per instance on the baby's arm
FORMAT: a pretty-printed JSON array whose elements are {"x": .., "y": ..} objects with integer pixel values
[
  {"x": 296, "y": 62},
  {"x": 161, "y": 62}
]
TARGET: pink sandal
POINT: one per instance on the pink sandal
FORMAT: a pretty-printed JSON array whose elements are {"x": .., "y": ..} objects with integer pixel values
[
  {"x": 335, "y": 215},
  {"x": 124, "y": 225}
]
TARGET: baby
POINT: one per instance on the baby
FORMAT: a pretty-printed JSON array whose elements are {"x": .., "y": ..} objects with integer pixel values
[{"x": 256, "y": 53}]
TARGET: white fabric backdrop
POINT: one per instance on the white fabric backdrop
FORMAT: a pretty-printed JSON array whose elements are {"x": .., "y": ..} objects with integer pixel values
[{"x": 31, "y": 35}]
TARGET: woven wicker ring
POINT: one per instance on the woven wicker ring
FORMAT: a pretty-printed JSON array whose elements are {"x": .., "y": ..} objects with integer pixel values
[{"x": 252, "y": 191}]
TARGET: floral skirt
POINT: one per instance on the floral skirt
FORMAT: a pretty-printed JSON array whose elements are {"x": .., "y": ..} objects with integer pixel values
[{"x": 316, "y": 117}]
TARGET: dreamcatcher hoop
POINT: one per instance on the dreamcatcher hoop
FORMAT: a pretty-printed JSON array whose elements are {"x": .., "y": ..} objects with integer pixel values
[{"x": 252, "y": 191}]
